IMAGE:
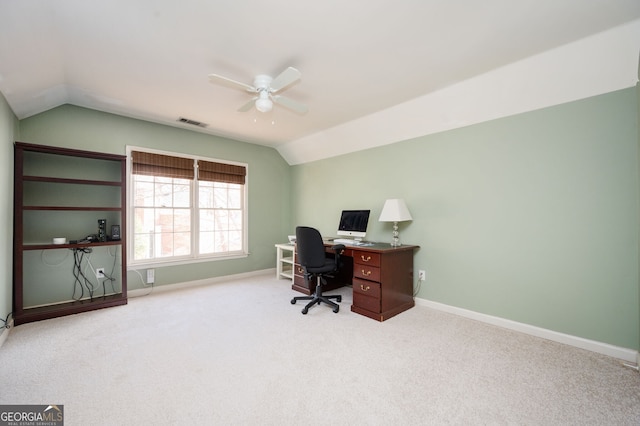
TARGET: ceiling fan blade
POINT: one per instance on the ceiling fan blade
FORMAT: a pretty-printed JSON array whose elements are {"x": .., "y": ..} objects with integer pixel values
[
  {"x": 290, "y": 104},
  {"x": 224, "y": 81},
  {"x": 246, "y": 107},
  {"x": 285, "y": 79}
]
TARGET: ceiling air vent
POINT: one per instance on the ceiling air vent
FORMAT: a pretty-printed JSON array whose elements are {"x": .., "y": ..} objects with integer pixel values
[{"x": 192, "y": 122}]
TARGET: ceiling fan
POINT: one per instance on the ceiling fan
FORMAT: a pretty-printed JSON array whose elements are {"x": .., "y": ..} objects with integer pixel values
[{"x": 266, "y": 90}]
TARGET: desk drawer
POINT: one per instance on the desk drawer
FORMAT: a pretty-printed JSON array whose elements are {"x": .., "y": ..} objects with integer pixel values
[
  {"x": 366, "y": 258},
  {"x": 366, "y": 288},
  {"x": 366, "y": 295},
  {"x": 366, "y": 272}
]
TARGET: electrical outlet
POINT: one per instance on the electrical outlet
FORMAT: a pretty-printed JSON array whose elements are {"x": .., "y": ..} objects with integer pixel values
[
  {"x": 100, "y": 273},
  {"x": 151, "y": 276},
  {"x": 421, "y": 275}
]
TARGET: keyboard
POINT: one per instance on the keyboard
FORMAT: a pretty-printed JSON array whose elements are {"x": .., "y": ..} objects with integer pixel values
[{"x": 346, "y": 241}]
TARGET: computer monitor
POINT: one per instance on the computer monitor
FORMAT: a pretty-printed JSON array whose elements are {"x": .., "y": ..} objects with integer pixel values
[{"x": 353, "y": 223}]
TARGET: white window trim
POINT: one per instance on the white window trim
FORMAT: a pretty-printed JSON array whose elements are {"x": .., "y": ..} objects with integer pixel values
[{"x": 194, "y": 258}]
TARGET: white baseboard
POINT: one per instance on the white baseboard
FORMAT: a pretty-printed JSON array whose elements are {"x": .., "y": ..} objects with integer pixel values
[
  {"x": 207, "y": 281},
  {"x": 5, "y": 332},
  {"x": 624, "y": 354}
]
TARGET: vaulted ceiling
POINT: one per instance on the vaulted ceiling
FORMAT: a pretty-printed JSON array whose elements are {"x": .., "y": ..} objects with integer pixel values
[{"x": 150, "y": 59}]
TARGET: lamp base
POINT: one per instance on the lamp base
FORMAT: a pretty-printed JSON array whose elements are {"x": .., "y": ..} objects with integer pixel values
[{"x": 395, "y": 242}]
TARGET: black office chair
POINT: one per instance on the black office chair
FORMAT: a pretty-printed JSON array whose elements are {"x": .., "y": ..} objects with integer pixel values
[{"x": 314, "y": 261}]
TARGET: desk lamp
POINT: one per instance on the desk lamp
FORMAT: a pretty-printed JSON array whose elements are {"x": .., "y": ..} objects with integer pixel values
[{"x": 395, "y": 210}]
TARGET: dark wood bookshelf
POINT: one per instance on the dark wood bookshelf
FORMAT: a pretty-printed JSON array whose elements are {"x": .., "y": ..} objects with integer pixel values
[
  {"x": 68, "y": 308},
  {"x": 53, "y": 156},
  {"x": 73, "y": 208},
  {"x": 70, "y": 181},
  {"x": 48, "y": 246}
]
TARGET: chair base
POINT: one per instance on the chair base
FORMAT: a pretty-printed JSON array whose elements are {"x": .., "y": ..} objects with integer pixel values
[{"x": 318, "y": 297}]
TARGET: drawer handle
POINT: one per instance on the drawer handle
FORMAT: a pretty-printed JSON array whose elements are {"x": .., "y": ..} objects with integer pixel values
[
  {"x": 363, "y": 288},
  {"x": 363, "y": 258},
  {"x": 366, "y": 273},
  {"x": 300, "y": 270}
]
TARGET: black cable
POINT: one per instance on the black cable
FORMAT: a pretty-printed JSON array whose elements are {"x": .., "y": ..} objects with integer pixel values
[
  {"x": 81, "y": 279},
  {"x": 6, "y": 321},
  {"x": 78, "y": 255},
  {"x": 87, "y": 283},
  {"x": 110, "y": 276},
  {"x": 77, "y": 278}
]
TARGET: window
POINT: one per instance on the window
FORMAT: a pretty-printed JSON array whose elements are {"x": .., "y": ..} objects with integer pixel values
[{"x": 186, "y": 208}]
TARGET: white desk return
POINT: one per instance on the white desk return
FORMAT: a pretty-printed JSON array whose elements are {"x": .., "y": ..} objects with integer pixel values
[{"x": 284, "y": 261}]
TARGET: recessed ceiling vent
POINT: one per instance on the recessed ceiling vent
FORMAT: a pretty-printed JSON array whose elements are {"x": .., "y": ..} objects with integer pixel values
[{"x": 192, "y": 122}]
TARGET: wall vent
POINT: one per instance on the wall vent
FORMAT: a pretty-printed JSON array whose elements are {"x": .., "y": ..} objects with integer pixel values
[{"x": 192, "y": 122}]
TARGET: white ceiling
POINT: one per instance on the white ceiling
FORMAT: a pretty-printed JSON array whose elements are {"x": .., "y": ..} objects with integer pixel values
[{"x": 150, "y": 59}]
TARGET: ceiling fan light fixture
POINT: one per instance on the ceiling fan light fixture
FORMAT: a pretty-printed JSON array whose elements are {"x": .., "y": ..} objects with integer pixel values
[
  {"x": 266, "y": 91},
  {"x": 264, "y": 104}
]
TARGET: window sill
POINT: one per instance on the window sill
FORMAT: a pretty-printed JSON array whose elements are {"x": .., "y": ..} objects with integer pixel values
[{"x": 159, "y": 263}]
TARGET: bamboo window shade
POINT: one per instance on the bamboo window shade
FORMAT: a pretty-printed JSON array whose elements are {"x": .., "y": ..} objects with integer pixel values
[
  {"x": 146, "y": 163},
  {"x": 221, "y": 172}
]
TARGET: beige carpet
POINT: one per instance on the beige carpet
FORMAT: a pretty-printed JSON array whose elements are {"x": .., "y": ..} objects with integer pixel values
[{"x": 238, "y": 353}]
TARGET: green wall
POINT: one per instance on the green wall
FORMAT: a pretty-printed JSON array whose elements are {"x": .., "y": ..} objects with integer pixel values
[
  {"x": 8, "y": 132},
  {"x": 531, "y": 218},
  {"x": 268, "y": 178}
]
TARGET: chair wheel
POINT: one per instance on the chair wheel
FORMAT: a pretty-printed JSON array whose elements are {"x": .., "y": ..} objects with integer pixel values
[
  {"x": 339, "y": 299},
  {"x": 293, "y": 301},
  {"x": 336, "y": 309},
  {"x": 304, "y": 311}
]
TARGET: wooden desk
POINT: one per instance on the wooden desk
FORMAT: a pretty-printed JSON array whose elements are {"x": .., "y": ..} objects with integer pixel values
[{"x": 381, "y": 276}]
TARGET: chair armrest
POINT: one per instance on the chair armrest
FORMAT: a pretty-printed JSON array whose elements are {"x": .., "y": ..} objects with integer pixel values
[{"x": 338, "y": 248}]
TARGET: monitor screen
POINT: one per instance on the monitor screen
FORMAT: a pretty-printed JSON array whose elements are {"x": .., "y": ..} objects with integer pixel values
[{"x": 353, "y": 223}]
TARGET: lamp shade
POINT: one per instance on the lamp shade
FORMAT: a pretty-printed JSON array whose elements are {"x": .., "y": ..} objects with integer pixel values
[{"x": 395, "y": 210}]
